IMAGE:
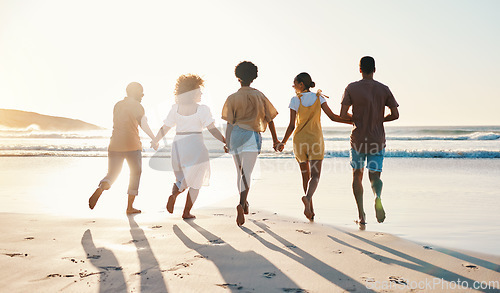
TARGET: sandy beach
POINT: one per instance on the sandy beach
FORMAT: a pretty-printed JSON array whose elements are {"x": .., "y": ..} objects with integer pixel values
[
  {"x": 271, "y": 253},
  {"x": 52, "y": 242}
]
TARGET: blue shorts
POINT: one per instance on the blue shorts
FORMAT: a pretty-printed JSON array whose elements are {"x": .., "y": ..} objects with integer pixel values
[
  {"x": 243, "y": 140},
  {"x": 374, "y": 161}
]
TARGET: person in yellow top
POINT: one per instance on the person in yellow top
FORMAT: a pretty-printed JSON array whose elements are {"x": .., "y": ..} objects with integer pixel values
[
  {"x": 247, "y": 112},
  {"x": 308, "y": 144},
  {"x": 125, "y": 144}
]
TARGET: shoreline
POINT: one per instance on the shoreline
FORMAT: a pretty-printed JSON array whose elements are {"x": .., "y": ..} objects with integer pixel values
[{"x": 437, "y": 202}]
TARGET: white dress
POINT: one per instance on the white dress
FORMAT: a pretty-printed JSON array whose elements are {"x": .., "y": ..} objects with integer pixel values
[{"x": 190, "y": 160}]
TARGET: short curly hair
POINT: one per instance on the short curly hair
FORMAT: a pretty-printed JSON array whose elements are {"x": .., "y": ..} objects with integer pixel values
[
  {"x": 246, "y": 71},
  {"x": 186, "y": 83}
]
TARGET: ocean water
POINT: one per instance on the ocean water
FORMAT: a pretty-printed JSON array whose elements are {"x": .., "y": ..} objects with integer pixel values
[
  {"x": 441, "y": 184},
  {"x": 477, "y": 142}
]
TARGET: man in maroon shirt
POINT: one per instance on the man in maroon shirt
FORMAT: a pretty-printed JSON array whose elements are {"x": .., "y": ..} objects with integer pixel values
[{"x": 368, "y": 99}]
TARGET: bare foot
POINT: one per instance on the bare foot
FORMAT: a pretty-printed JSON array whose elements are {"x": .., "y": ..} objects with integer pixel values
[
  {"x": 95, "y": 197},
  {"x": 240, "y": 218},
  {"x": 171, "y": 203},
  {"x": 307, "y": 207},
  {"x": 245, "y": 208},
  {"x": 361, "y": 225},
  {"x": 188, "y": 216},
  {"x": 379, "y": 210},
  {"x": 362, "y": 219},
  {"x": 131, "y": 211}
]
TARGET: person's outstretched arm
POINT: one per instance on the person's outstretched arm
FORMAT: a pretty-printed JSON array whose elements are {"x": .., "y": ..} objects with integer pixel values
[
  {"x": 272, "y": 128},
  {"x": 343, "y": 112},
  {"x": 216, "y": 133},
  {"x": 393, "y": 116},
  {"x": 289, "y": 130},
  {"x": 161, "y": 133},
  {"x": 145, "y": 127},
  {"x": 229, "y": 129},
  {"x": 334, "y": 117}
]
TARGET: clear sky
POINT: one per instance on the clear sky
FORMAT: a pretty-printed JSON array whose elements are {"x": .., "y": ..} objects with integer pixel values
[{"x": 441, "y": 59}]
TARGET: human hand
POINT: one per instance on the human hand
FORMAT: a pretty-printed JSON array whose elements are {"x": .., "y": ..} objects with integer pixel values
[
  {"x": 280, "y": 147},
  {"x": 154, "y": 145},
  {"x": 276, "y": 146}
]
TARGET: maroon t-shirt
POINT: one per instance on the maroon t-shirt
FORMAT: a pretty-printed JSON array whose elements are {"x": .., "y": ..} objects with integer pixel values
[{"x": 368, "y": 99}]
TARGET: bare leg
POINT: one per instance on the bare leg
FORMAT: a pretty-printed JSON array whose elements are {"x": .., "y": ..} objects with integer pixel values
[
  {"x": 115, "y": 163},
  {"x": 377, "y": 191},
  {"x": 172, "y": 198},
  {"x": 313, "y": 182},
  {"x": 95, "y": 197},
  {"x": 315, "y": 167},
  {"x": 190, "y": 199},
  {"x": 245, "y": 162},
  {"x": 306, "y": 175},
  {"x": 130, "y": 207},
  {"x": 357, "y": 188}
]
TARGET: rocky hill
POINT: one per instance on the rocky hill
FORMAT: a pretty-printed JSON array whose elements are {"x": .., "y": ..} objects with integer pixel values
[{"x": 16, "y": 119}]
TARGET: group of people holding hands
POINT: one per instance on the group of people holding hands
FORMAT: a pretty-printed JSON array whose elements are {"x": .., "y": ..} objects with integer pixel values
[{"x": 248, "y": 113}]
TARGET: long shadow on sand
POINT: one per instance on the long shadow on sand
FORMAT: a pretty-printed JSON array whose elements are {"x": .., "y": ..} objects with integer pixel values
[
  {"x": 235, "y": 266},
  {"x": 327, "y": 272},
  {"x": 412, "y": 263},
  {"x": 104, "y": 260},
  {"x": 477, "y": 261},
  {"x": 151, "y": 276}
]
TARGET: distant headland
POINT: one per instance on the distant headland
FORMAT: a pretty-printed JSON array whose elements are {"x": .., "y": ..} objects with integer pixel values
[{"x": 17, "y": 119}]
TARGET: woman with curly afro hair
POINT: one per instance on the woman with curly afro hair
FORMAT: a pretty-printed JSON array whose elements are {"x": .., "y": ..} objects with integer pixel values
[
  {"x": 247, "y": 112},
  {"x": 190, "y": 160}
]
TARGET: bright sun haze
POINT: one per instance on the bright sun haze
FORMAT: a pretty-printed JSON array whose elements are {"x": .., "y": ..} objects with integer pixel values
[{"x": 74, "y": 59}]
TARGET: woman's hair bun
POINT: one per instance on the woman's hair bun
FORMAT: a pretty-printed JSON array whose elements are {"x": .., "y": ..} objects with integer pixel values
[{"x": 313, "y": 84}]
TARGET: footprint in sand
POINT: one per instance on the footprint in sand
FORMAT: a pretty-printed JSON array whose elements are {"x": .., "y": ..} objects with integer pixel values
[
  {"x": 294, "y": 290},
  {"x": 179, "y": 266},
  {"x": 471, "y": 267},
  {"x": 303, "y": 231},
  {"x": 60, "y": 276},
  {"x": 338, "y": 251},
  {"x": 132, "y": 241},
  {"x": 74, "y": 260},
  {"x": 269, "y": 275},
  {"x": 111, "y": 268},
  {"x": 84, "y": 275},
  {"x": 228, "y": 286},
  {"x": 16, "y": 254},
  {"x": 368, "y": 279},
  {"x": 397, "y": 280},
  {"x": 217, "y": 241},
  {"x": 180, "y": 276},
  {"x": 94, "y": 256}
]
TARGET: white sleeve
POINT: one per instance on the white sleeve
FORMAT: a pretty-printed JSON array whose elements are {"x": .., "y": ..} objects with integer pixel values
[
  {"x": 170, "y": 120},
  {"x": 322, "y": 100},
  {"x": 206, "y": 116},
  {"x": 294, "y": 104}
]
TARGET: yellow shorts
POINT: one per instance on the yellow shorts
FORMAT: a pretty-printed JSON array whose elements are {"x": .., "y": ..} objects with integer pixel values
[{"x": 307, "y": 151}]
